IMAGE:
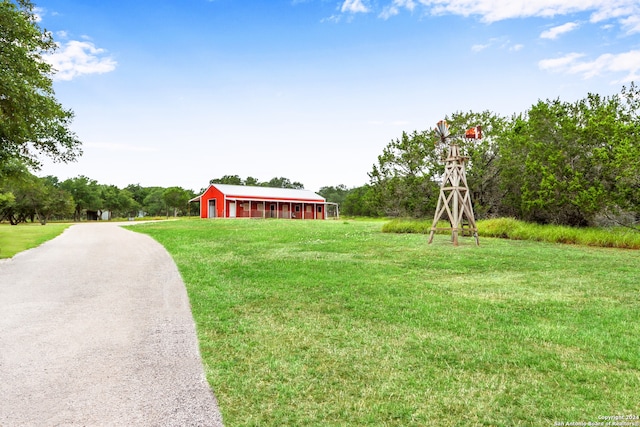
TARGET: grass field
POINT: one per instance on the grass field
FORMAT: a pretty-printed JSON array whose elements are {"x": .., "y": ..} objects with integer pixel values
[
  {"x": 334, "y": 323},
  {"x": 17, "y": 238}
]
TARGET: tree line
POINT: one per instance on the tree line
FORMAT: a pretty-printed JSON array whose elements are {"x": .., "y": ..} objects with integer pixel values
[
  {"x": 25, "y": 197},
  {"x": 570, "y": 163}
]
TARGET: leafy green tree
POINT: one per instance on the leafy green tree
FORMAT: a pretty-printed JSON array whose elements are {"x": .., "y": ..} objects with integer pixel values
[
  {"x": 358, "y": 202},
  {"x": 403, "y": 180},
  {"x": 176, "y": 198},
  {"x": 614, "y": 126},
  {"x": 9, "y": 171},
  {"x": 567, "y": 163},
  {"x": 274, "y": 182},
  {"x": 138, "y": 193},
  {"x": 282, "y": 182},
  {"x": 33, "y": 197},
  {"x": 227, "y": 179},
  {"x": 117, "y": 202},
  {"x": 86, "y": 194},
  {"x": 251, "y": 181},
  {"x": 154, "y": 203},
  {"x": 128, "y": 205},
  {"x": 334, "y": 194},
  {"x": 16, "y": 182},
  {"x": 54, "y": 202},
  {"x": 32, "y": 121}
]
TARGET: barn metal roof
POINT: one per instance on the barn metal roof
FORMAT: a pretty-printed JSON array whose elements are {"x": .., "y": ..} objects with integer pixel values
[{"x": 246, "y": 191}]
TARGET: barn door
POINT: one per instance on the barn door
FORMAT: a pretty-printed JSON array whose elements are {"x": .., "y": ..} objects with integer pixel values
[
  {"x": 212, "y": 209},
  {"x": 232, "y": 209}
]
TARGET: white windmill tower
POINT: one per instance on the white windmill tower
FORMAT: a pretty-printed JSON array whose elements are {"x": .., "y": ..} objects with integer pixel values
[{"x": 454, "y": 198}]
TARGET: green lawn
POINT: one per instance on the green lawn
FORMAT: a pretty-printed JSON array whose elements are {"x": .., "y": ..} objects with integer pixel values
[
  {"x": 334, "y": 323},
  {"x": 17, "y": 238}
]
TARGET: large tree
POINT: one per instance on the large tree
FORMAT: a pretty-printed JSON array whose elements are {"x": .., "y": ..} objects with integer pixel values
[
  {"x": 32, "y": 121},
  {"x": 176, "y": 198},
  {"x": 403, "y": 180},
  {"x": 86, "y": 194},
  {"x": 569, "y": 163},
  {"x": 118, "y": 202},
  {"x": 358, "y": 202},
  {"x": 227, "y": 179},
  {"x": 154, "y": 204},
  {"x": 32, "y": 197}
]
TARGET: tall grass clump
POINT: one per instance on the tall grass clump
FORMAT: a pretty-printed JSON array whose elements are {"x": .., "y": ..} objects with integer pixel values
[
  {"x": 510, "y": 228},
  {"x": 407, "y": 226},
  {"x": 610, "y": 237}
]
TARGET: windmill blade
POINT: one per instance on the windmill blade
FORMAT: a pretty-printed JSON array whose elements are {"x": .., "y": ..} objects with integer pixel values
[{"x": 442, "y": 130}]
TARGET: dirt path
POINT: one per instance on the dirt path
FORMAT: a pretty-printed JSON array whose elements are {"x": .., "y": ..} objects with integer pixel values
[{"x": 96, "y": 330}]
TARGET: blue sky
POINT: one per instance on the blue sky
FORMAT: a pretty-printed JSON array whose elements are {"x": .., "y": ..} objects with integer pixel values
[{"x": 178, "y": 92}]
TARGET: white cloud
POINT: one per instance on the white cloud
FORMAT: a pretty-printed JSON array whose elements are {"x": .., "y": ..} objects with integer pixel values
[
  {"x": 626, "y": 63},
  {"x": 354, "y": 6},
  {"x": 76, "y": 58},
  {"x": 497, "y": 10},
  {"x": 626, "y": 12},
  {"x": 480, "y": 47},
  {"x": 555, "y": 32},
  {"x": 631, "y": 24},
  {"x": 559, "y": 63},
  {"x": 614, "y": 10},
  {"x": 333, "y": 19},
  {"x": 498, "y": 43},
  {"x": 394, "y": 8}
]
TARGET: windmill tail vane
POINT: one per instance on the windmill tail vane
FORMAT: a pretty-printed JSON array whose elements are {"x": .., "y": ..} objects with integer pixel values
[
  {"x": 442, "y": 131},
  {"x": 474, "y": 133}
]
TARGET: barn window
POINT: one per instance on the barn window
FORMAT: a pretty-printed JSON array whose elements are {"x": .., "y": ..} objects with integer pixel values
[
  {"x": 319, "y": 208},
  {"x": 245, "y": 206},
  {"x": 297, "y": 208}
]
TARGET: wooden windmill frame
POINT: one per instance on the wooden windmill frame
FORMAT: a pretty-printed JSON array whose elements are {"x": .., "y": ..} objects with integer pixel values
[{"x": 454, "y": 198}]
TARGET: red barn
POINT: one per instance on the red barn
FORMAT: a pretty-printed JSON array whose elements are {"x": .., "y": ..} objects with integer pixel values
[{"x": 243, "y": 201}]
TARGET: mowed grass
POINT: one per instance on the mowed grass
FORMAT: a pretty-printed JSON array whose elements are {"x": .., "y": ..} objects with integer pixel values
[
  {"x": 334, "y": 323},
  {"x": 17, "y": 238}
]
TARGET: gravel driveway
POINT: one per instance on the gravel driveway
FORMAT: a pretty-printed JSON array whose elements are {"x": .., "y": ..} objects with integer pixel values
[{"x": 96, "y": 330}]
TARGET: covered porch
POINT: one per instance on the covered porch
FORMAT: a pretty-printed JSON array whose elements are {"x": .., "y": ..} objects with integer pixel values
[{"x": 237, "y": 207}]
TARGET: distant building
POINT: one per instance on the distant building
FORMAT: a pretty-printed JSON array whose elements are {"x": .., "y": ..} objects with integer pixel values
[{"x": 243, "y": 201}]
